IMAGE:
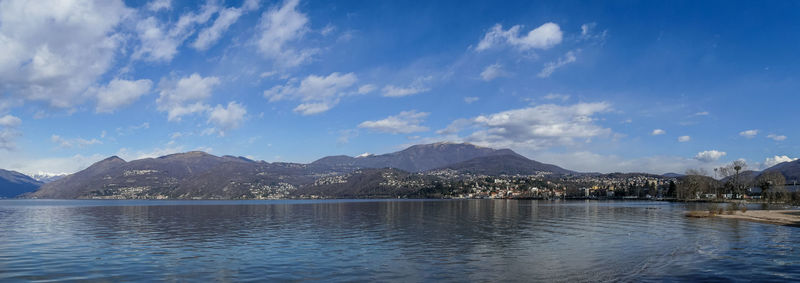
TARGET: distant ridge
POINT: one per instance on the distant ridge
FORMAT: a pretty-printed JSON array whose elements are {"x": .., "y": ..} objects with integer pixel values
[
  {"x": 672, "y": 175},
  {"x": 747, "y": 176},
  {"x": 790, "y": 170},
  {"x": 14, "y": 184},
  {"x": 505, "y": 164},
  {"x": 193, "y": 174},
  {"x": 416, "y": 158}
]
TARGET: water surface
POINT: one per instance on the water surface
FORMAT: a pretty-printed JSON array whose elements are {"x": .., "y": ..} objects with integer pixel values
[{"x": 386, "y": 240}]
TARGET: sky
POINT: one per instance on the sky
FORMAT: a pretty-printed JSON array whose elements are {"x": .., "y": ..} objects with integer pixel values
[{"x": 594, "y": 86}]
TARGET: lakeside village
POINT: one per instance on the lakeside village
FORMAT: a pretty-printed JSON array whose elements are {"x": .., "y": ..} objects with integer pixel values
[
  {"x": 735, "y": 184},
  {"x": 544, "y": 185}
]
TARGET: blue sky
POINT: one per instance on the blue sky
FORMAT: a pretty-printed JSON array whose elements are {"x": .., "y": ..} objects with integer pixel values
[{"x": 601, "y": 86}]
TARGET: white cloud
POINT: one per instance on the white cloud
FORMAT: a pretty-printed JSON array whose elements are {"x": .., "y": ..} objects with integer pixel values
[
  {"x": 130, "y": 130},
  {"x": 158, "y": 5},
  {"x": 471, "y": 99},
  {"x": 776, "y": 137},
  {"x": 185, "y": 95},
  {"x": 702, "y": 113},
  {"x": 227, "y": 118},
  {"x": 317, "y": 93},
  {"x": 777, "y": 159},
  {"x": 492, "y": 72},
  {"x": 588, "y": 33},
  {"x": 657, "y": 132},
  {"x": 587, "y": 28},
  {"x": 542, "y": 37},
  {"x": 749, "y": 133},
  {"x": 10, "y": 121},
  {"x": 556, "y": 96},
  {"x": 328, "y": 29},
  {"x": 155, "y": 42},
  {"x": 551, "y": 67},
  {"x": 227, "y": 17},
  {"x": 208, "y": 131},
  {"x": 211, "y": 35},
  {"x": 404, "y": 123},
  {"x": 118, "y": 93},
  {"x": 267, "y": 74},
  {"x": 456, "y": 127},
  {"x": 279, "y": 27},
  {"x": 8, "y": 102},
  {"x": 250, "y": 5},
  {"x": 69, "y": 143},
  {"x": 538, "y": 127},
  {"x": 8, "y": 131},
  {"x": 83, "y": 142},
  {"x": 315, "y": 108},
  {"x": 419, "y": 85},
  {"x": 709, "y": 155},
  {"x": 684, "y": 138},
  {"x": 396, "y": 91},
  {"x": 52, "y": 51},
  {"x": 160, "y": 41},
  {"x": 364, "y": 89}
]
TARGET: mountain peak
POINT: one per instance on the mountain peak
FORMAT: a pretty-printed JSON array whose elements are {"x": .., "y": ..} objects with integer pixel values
[
  {"x": 188, "y": 154},
  {"x": 108, "y": 161},
  {"x": 415, "y": 158},
  {"x": 113, "y": 158},
  {"x": 446, "y": 143},
  {"x": 104, "y": 164}
]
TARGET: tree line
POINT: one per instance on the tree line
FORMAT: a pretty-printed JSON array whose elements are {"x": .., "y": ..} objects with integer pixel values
[{"x": 733, "y": 181}]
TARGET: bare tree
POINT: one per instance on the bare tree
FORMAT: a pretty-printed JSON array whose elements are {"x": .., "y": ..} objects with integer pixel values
[
  {"x": 739, "y": 166},
  {"x": 694, "y": 183},
  {"x": 772, "y": 186},
  {"x": 732, "y": 174}
]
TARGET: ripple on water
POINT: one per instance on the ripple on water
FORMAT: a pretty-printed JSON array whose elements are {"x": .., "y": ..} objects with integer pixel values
[{"x": 459, "y": 240}]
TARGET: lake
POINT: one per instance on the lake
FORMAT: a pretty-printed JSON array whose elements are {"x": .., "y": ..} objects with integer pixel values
[{"x": 386, "y": 240}]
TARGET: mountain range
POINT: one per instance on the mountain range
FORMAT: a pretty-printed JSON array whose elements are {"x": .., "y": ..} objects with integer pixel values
[
  {"x": 184, "y": 175},
  {"x": 47, "y": 177},
  {"x": 201, "y": 175}
]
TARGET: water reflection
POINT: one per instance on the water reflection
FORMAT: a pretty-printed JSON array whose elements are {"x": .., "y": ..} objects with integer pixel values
[{"x": 472, "y": 240}]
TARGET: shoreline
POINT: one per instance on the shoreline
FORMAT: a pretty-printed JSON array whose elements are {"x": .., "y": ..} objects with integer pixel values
[{"x": 777, "y": 217}]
